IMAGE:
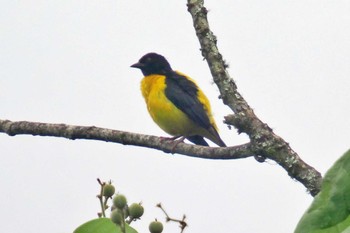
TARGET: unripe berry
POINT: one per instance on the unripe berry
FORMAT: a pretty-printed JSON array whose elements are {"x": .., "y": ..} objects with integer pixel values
[
  {"x": 108, "y": 190},
  {"x": 119, "y": 201},
  {"x": 155, "y": 227},
  {"x": 116, "y": 216},
  {"x": 136, "y": 210}
]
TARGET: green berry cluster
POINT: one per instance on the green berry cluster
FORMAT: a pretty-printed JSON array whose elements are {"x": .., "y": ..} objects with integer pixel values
[
  {"x": 121, "y": 212},
  {"x": 132, "y": 212}
]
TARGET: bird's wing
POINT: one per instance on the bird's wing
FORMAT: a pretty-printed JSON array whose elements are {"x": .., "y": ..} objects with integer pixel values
[{"x": 183, "y": 93}]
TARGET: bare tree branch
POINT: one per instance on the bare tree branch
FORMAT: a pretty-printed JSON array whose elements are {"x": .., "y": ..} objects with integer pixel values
[
  {"x": 263, "y": 140},
  {"x": 125, "y": 138}
]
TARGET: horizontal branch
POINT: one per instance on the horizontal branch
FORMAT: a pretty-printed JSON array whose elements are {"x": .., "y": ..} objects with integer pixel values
[{"x": 13, "y": 128}]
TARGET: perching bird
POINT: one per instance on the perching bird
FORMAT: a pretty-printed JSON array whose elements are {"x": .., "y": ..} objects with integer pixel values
[{"x": 175, "y": 102}]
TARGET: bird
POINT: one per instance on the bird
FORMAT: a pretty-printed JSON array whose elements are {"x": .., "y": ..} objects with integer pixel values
[{"x": 176, "y": 103}]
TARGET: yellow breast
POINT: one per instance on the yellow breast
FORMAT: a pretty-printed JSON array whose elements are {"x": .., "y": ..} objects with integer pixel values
[{"x": 163, "y": 111}]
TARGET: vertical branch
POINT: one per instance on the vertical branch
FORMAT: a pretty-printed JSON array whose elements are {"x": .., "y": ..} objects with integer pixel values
[{"x": 264, "y": 142}]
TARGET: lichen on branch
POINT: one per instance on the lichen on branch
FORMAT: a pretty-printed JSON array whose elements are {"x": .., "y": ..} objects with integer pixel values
[{"x": 262, "y": 138}]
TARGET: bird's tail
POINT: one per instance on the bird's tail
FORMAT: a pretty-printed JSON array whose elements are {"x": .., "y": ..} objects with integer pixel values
[
  {"x": 198, "y": 140},
  {"x": 215, "y": 137}
]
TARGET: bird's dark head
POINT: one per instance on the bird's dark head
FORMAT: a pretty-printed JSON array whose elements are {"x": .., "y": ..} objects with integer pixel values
[{"x": 153, "y": 63}]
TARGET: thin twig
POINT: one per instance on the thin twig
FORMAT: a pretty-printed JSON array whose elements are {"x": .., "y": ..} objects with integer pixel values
[
  {"x": 100, "y": 197},
  {"x": 182, "y": 222}
]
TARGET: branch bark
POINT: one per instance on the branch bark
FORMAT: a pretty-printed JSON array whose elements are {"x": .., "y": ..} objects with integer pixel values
[
  {"x": 126, "y": 138},
  {"x": 263, "y": 141}
]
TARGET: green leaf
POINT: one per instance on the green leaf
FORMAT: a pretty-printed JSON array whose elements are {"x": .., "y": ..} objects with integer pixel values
[
  {"x": 330, "y": 210},
  {"x": 102, "y": 225}
]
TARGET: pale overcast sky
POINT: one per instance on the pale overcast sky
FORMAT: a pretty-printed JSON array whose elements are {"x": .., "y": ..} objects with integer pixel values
[{"x": 69, "y": 62}]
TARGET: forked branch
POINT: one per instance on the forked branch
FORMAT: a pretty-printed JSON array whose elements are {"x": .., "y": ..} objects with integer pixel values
[{"x": 263, "y": 140}]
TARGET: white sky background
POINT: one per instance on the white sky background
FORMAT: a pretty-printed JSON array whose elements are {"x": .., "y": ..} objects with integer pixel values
[{"x": 68, "y": 62}]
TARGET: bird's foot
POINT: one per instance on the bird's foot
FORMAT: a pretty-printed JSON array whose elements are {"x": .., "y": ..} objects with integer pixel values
[{"x": 176, "y": 142}]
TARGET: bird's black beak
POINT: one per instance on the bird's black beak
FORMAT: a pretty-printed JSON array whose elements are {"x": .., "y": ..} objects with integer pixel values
[{"x": 137, "y": 65}]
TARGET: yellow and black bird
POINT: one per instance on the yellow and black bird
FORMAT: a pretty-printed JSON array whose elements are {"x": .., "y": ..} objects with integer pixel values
[{"x": 175, "y": 102}]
